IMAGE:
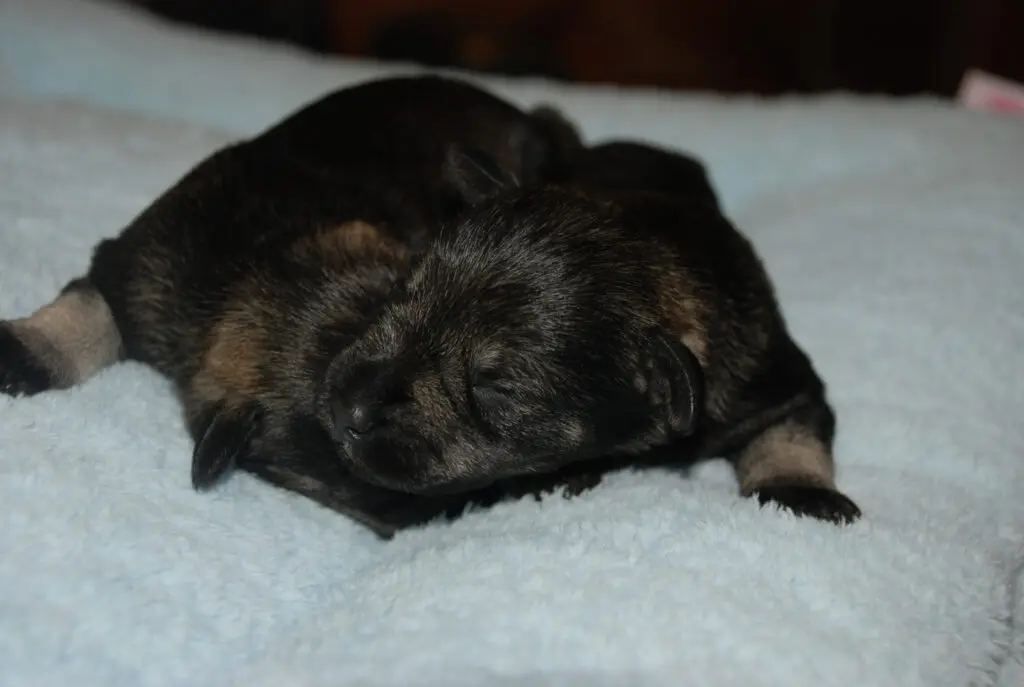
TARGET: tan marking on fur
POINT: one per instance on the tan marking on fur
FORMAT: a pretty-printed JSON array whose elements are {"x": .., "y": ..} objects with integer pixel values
[
  {"x": 351, "y": 237},
  {"x": 785, "y": 453},
  {"x": 738, "y": 350},
  {"x": 355, "y": 240},
  {"x": 74, "y": 337},
  {"x": 683, "y": 309},
  {"x": 232, "y": 365}
]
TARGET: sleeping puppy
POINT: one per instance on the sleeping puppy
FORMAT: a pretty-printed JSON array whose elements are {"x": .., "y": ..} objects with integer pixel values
[
  {"x": 244, "y": 280},
  {"x": 615, "y": 318}
]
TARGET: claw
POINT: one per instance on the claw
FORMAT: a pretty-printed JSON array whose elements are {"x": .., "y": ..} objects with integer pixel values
[
  {"x": 21, "y": 372},
  {"x": 817, "y": 502}
]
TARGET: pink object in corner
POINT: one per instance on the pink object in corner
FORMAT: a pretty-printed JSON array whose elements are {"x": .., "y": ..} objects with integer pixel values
[{"x": 983, "y": 91}]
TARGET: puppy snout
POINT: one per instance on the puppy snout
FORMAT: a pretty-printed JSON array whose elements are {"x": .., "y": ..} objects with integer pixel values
[
  {"x": 360, "y": 400},
  {"x": 354, "y": 419}
]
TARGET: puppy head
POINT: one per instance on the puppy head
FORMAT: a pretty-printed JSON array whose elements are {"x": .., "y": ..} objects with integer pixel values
[{"x": 525, "y": 339}]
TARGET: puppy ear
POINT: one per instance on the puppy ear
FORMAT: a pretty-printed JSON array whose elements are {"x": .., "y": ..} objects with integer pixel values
[
  {"x": 475, "y": 175},
  {"x": 553, "y": 147},
  {"x": 675, "y": 383},
  {"x": 225, "y": 437}
]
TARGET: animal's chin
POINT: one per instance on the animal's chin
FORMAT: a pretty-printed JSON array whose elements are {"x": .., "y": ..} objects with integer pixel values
[
  {"x": 362, "y": 468},
  {"x": 370, "y": 464},
  {"x": 424, "y": 487},
  {"x": 361, "y": 472}
]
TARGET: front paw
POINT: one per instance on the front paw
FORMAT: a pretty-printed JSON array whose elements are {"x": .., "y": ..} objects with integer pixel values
[
  {"x": 581, "y": 483},
  {"x": 817, "y": 502},
  {"x": 224, "y": 440},
  {"x": 21, "y": 372}
]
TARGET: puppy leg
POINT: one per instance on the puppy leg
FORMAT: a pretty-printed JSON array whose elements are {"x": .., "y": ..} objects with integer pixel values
[
  {"x": 60, "y": 345},
  {"x": 223, "y": 426},
  {"x": 222, "y": 436},
  {"x": 222, "y": 400},
  {"x": 790, "y": 464},
  {"x": 780, "y": 440}
]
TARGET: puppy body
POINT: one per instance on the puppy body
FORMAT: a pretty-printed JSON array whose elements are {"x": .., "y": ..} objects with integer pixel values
[
  {"x": 616, "y": 318},
  {"x": 242, "y": 281}
]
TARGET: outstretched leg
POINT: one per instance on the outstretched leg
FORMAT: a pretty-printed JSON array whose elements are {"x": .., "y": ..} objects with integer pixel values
[
  {"x": 790, "y": 464},
  {"x": 780, "y": 439},
  {"x": 60, "y": 345}
]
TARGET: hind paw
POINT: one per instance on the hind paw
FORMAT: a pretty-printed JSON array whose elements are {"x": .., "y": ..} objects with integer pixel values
[
  {"x": 817, "y": 502},
  {"x": 21, "y": 372}
]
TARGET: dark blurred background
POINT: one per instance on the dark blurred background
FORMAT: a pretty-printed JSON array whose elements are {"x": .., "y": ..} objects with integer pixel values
[{"x": 764, "y": 46}]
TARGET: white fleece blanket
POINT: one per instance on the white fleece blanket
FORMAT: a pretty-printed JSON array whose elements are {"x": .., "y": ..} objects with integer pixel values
[{"x": 895, "y": 233}]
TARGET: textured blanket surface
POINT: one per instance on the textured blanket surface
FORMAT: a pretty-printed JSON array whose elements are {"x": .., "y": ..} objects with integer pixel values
[{"x": 895, "y": 234}]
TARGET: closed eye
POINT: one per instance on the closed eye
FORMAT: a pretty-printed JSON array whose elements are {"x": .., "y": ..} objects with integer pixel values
[
  {"x": 487, "y": 395},
  {"x": 486, "y": 378},
  {"x": 491, "y": 387}
]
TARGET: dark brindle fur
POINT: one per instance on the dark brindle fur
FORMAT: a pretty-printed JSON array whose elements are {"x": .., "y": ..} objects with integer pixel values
[
  {"x": 553, "y": 334},
  {"x": 620, "y": 315},
  {"x": 243, "y": 280}
]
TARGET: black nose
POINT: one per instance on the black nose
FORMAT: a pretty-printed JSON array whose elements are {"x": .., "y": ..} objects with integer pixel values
[{"x": 356, "y": 420}]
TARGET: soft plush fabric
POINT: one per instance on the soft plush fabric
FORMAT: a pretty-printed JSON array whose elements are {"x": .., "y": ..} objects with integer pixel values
[{"x": 894, "y": 231}]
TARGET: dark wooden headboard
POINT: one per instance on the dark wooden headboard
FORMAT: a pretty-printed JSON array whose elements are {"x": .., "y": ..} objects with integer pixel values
[{"x": 893, "y": 46}]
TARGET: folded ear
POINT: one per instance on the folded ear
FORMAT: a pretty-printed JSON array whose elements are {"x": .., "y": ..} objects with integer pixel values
[
  {"x": 675, "y": 383},
  {"x": 475, "y": 175},
  {"x": 225, "y": 437}
]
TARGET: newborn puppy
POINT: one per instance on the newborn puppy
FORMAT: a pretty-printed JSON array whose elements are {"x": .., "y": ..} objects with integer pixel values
[
  {"x": 617, "y": 316},
  {"x": 244, "y": 280}
]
